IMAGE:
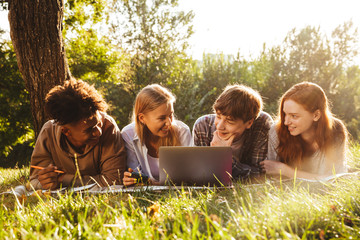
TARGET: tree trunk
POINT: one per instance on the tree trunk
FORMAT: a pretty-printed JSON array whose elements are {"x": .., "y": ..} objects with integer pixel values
[{"x": 36, "y": 34}]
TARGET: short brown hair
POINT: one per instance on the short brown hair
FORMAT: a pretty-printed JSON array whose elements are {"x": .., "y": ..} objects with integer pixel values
[
  {"x": 239, "y": 102},
  {"x": 73, "y": 101}
]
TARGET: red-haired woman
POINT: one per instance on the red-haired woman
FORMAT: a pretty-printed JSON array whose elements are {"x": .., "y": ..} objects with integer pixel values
[{"x": 307, "y": 141}]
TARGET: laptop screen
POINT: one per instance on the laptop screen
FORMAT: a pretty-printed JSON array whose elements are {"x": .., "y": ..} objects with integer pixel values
[{"x": 195, "y": 166}]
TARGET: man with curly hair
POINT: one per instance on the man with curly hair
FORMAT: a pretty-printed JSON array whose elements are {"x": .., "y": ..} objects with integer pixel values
[{"x": 81, "y": 140}]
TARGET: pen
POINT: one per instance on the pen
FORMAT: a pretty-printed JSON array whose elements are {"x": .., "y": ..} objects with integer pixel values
[{"x": 37, "y": 167}]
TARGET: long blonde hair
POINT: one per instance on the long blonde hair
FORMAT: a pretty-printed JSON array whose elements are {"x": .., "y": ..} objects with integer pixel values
[{"x": 147, "y": 100}]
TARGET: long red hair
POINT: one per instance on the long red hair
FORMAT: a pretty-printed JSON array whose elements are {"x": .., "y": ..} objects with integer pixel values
[{"x": 328, "y": 129}]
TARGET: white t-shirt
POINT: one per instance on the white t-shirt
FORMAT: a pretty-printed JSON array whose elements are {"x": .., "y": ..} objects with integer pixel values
[{"x": 154, "y": 166}]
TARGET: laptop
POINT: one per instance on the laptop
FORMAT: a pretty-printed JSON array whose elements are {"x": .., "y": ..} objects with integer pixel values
[{"x": 195, "y": 166}]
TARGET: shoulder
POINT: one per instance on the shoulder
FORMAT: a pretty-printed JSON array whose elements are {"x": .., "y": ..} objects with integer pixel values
[
  {"x": 128, "y": 132},
  {"x": 181, "y": 126},
  {"x": 49, "y": 128},
  {"x": 339, "y": 126},
  {"x": 183, "y": 132},
  {"x": 49, "y": 125},
  {"x": 50, "y": 134},
  {"x": 272, "y": 132},
  {"x": 182, "y": 129},
  {"x": 109, "y": 122},
  {"x": 262, "y": 124},
  {"x": 111, "y": 131},
  {"x": 264, "y": 119},
  {"x": 339, "y": 131},
  {"x": 205, "y": 121}
]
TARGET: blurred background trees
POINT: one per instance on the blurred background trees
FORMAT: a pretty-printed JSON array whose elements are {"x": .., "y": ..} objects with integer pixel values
[
  {"x": 146, "y": 42},
  {"x": 15, "y": 115}
]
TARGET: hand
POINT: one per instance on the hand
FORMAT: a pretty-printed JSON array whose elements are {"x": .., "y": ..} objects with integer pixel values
[
  {"x": 48, "y": 178},
  {"x": 218, "y": 141},
  {"x": 275, "y": 167},
  {"x": 128, "y": 180},
  {"x": 153, "y": 182}
]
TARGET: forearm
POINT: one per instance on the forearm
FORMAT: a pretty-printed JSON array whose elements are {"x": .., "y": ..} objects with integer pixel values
[{"x": 295, "y": 173}]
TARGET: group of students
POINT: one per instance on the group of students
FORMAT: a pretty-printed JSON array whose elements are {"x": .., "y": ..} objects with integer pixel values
[{"x": 85, "y": 143}]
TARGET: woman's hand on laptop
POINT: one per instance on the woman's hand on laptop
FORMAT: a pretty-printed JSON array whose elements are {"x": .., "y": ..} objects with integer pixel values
[{"x": 218, "y": 141}]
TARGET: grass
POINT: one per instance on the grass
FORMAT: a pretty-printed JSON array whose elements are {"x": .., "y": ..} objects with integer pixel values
[{"x": 272, "y": 210}]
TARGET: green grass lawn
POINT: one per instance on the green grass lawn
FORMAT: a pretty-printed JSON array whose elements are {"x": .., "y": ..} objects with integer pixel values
[{"x": 272, "y": 210}]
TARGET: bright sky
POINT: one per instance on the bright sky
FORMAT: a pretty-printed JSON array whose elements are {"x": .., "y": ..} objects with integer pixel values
[{"x": 230, "y": 25}]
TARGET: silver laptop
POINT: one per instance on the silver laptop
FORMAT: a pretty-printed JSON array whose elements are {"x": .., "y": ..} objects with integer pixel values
[{"x": 195, "y": 166}]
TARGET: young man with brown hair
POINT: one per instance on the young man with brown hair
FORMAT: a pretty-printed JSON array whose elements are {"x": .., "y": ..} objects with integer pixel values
[
  {"x": 238, "y": 122},
  {"x": 80, "y": 139}
]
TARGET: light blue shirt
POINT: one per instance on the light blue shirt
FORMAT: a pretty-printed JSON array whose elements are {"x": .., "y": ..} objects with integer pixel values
[{"x": 137, "y": 153}]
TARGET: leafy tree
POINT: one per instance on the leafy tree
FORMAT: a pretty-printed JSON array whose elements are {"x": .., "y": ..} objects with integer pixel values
[
  {"x": 216, "y": 74},
  {"x": 80, "y": 14},
  {"x": 96, "y": 60},
  {"x": 156, "y": 34}
]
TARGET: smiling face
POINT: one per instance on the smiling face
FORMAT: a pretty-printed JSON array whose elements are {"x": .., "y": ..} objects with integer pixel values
[
  {"x": 298, "y": 120},
  {"x": 227, "y": 126},
  {"x": 85, "y": 132},
  {"x": 159, "y": 120}
]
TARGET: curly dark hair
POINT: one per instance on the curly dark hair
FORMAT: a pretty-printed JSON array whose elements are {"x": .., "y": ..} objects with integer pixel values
[{"x": 73, "y": 101}]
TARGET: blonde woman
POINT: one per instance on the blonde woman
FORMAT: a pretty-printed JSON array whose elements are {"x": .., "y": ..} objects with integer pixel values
[{"x": 153, "y": 126}]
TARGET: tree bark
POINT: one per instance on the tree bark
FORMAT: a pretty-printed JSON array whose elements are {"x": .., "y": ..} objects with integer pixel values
[{"x": 36, "y": 34}]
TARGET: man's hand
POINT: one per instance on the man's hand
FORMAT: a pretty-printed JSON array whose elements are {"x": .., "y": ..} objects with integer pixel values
[
  {"x": 48, "y": 178},
  {"x": 218, "y": 141}
]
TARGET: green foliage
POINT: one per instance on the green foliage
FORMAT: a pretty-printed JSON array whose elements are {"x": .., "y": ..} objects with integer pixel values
[
  {"x": 95, "y": 60},
  {"x": 80, "y": 13},
  {"x": 153, "y": 36},
  {"x": 156, "y": 34},
  {"x": 15, "y": 115}
]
